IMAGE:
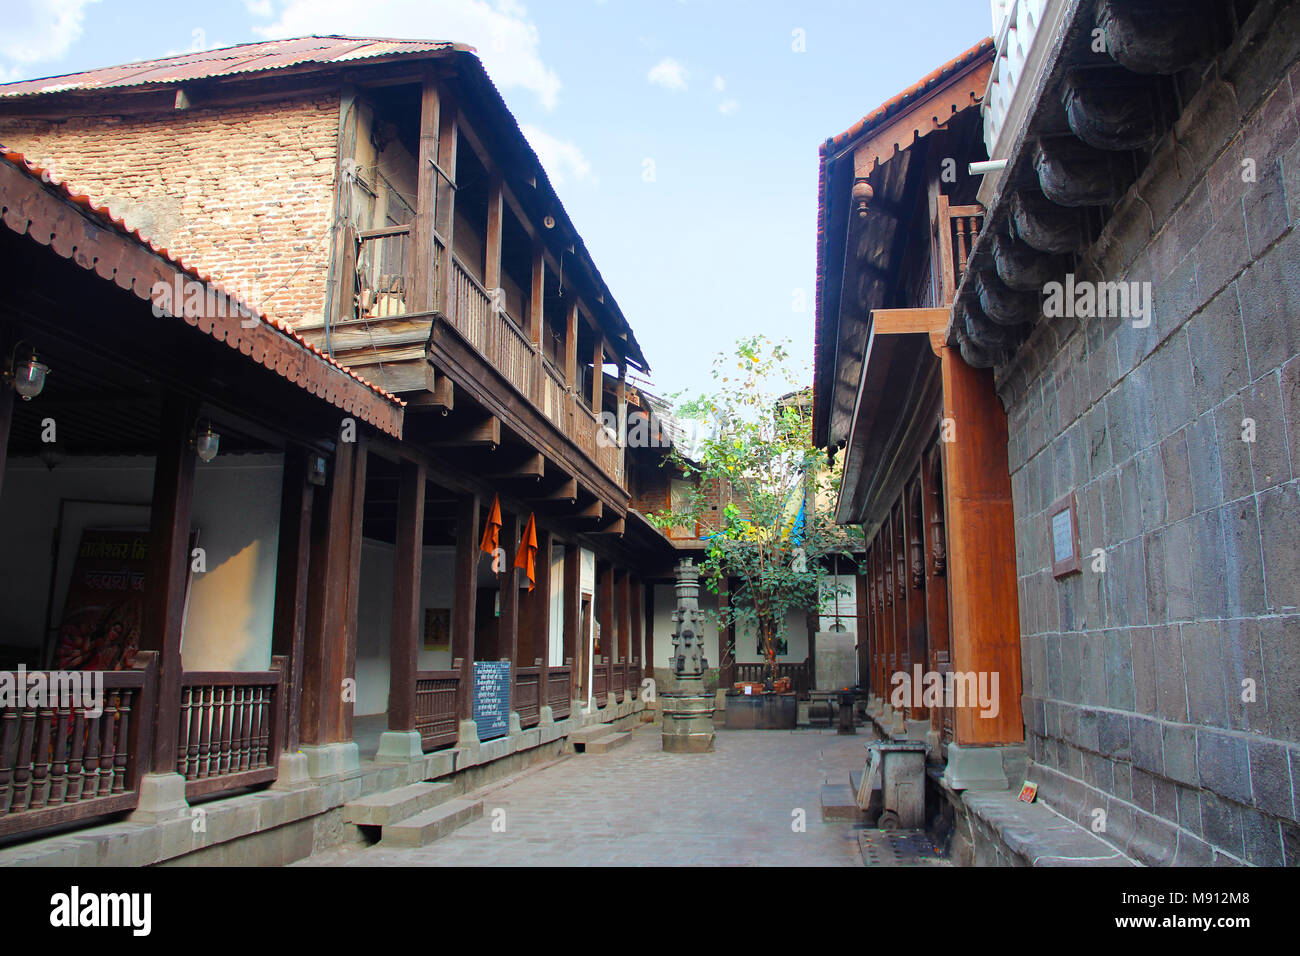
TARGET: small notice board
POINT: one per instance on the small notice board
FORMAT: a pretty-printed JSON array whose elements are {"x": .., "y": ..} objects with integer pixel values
[{"x": 492, "y": 698}]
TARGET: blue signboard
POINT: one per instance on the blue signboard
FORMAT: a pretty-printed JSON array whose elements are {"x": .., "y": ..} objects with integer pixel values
[{"x": 492, "y": 698}]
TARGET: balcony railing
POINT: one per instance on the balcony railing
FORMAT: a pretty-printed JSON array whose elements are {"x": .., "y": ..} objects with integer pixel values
[
  {"x": 528, "y": 688},
  {"x": 436, "y": 717},
  {"x": 60, "y": 764},
  {"x": 230, "y": 729},
  {"x": 479, "y": 318},
  {"x": 383, "y": 273},
  {"x": 558, "y": 690},
  {"x": 600, "y": 682}
]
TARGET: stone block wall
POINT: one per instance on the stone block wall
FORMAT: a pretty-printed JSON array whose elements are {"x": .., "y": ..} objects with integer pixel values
[
  {"x": 243, "y": 193},
  {"x": 1162, "y": 695}
]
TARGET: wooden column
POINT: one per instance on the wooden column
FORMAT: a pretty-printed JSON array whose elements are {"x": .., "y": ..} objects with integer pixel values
[
  {"x": 464, "y": 604},
  {"x": 540, "y": 644},
  {"x": 936, "y": 591},
  {"x": 862, "y": 630},
  {"x": 445, "y": 212},
  {"x": 623, "y": 610},
  {"x": 638, "y": 647},
  {"x": 597, "y": 376},
  {"x": 167, "y": 571},
  {"x": 889, "y": 612},
  {"x": 495, "y": 214},
  {"x": 353, "y": 534},
  {"x": 573, "y": 643},
  {"x": 508, "y": 622},
  {"x": 915, "y": 584},
  {"x": 291, "y": 580},
  {"x": 408, "y": 561},
  {"x": 424, "y": 253},
  {"x": 571, "y": 344},
  {"x": 334, "y": 576},
  {"x": 608, "y": 634},
  {"x": 726, "y": 640},
  {"x": 981, "y": 549},
  {"x": 537, "y": 296}
]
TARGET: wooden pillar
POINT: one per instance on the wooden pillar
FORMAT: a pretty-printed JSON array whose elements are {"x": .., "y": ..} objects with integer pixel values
[
  {"x": 571, "y": 344},
  {"x": 537, "y": 296},
  {"x": 981, "y": 549},
  {"x": 936, "y": 591},
  {"x": 890, "y": 613},
  {"x": 608, "y": 635},
  {"x": 293, "y": 563},
  {"x": 573, "y": 642},
  {"x": 540, "y": 645},
  {"x": 597, "y": 376},
  {"x": 915, "y": 584},
  {"x": 445, "y": 211},
  {"x": 508, "y": 622},
  {"x": 408, "y": 561},
  {"x": 623, "y": 611},
  {"x": 424, "y": 253},
  {"x": 495, "y": 220},
  {"x": 331, "y": 616},
  {"x": 167, "y": 571},
  {"x": 649, "y": 660},
  {"x": 464, "y": 604},
  {"x": 726, "y": 640},
  {"x": 638, "y": 647},
  {"x": 862, "y": 630}
]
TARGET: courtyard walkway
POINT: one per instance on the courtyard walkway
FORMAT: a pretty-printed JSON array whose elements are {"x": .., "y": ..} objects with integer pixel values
[{"x": 754, "y": 801}]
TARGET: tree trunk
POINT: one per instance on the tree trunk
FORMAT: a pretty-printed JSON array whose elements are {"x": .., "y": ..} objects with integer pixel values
[{"x": 769, "y": 654}]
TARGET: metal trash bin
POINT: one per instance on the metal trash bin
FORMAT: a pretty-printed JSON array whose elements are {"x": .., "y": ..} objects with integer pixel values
[{"x": 897, "y": 771}]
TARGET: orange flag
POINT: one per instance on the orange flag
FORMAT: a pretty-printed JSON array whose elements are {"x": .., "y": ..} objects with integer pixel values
[
  {"x": 527, "y": 556},
  {"x": 492, "y": 532}
]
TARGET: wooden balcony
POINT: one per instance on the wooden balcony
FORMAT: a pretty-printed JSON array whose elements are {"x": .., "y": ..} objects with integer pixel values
[
  {"x": 392, "y": 346},
  {"x": 231, "y": 729}
]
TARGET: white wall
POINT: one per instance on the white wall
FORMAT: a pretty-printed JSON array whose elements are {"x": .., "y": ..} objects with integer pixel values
[
  {"x": 236, "y": 510},
  {"x": 375, "y": 618}
]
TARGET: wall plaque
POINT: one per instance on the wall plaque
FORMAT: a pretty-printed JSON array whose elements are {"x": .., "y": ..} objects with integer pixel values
[{"x": 1064, "y": 536}]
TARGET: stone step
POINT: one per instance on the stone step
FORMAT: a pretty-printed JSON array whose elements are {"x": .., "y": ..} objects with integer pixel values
[
  {"x": 590, "y": 733},
  {"x": 389, "y": 806},
  {"x": 607, "y": 743},
  {"x": 434, "y": 824},
  {"x": 839, "y": 803}
]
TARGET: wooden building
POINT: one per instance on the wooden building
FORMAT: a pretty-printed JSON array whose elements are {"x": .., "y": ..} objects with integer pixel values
[
  {"x": 428, "y": 352},
  {"x": 921, "y": 432}
]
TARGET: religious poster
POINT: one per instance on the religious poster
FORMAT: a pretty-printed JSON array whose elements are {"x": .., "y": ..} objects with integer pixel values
[
  {"x": 437, "y": 629},
  {"x": 104, "y": 608}
]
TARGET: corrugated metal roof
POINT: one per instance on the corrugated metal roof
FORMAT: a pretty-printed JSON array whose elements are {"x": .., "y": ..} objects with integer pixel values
[{"x": 229, "y": 61}]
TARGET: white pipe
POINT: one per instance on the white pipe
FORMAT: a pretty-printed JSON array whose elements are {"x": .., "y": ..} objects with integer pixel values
[{"x": 991, "y": 166}]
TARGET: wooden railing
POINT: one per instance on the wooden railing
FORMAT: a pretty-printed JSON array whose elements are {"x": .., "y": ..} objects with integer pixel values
[
  {"x": 965, "y": 224},
  {"x": 230, "y": 729},
  {"x": 600, "y": 682},
  {"x": 634, "y": 677},
  {"x": 528, "y": 691},
  {"x": 436, "y": 717},
  {"x": 60, "y": 764},
  {"x": 620, "y": 679},
  {"x": 500, "y": 340},
  {"x": 558, "y": 690},
  {"x": 798, "y": 672}
]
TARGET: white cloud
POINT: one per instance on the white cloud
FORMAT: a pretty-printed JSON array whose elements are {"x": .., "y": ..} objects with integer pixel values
[
  {"x": 727, "y": 107},
  {"x": 669, "y": 74},
  {"x": 506, "y": 40},
  {"x": 40, "y": 30},
  {"x": 563, "y": 160},
  {"x": 719, "y": 84}
]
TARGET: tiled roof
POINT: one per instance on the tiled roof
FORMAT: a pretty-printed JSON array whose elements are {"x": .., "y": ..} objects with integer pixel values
[
  {"x": 104, "y": 217},
  {"x": 230, "y": 61}
]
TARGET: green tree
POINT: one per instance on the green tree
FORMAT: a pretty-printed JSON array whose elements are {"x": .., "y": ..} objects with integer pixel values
[{"x": 769, "y": 541}]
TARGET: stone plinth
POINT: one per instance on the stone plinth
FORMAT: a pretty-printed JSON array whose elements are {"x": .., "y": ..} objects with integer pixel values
[
  {"x": 762, "y": 711},
  {"x": 837, "y": 660},
  {"x": 687, "y": 716}
]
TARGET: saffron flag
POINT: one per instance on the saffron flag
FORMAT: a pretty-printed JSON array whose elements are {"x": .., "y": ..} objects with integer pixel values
[
  {"x": 492, "y": 532},
  {"x": 527, "y": 556}
]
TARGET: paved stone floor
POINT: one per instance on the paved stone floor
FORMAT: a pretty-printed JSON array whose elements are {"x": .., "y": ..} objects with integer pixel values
[{"x": 638, "y": 806}]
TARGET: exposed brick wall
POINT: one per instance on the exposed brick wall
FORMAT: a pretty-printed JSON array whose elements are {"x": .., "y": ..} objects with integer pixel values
[
  {"x": 1134, "y": 677},
  {"x": 243, "y": 193}
]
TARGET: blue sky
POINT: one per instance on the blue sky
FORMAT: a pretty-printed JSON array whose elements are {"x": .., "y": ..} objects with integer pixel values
[{"x": 682, "y": 135}]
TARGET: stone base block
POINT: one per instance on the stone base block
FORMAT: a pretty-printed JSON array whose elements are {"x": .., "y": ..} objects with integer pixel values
[
  {"x": 688, "y": 743},
  {"x": 975, "y": 768},
  {"x": 400, "y": 745},
  {"x": 293, "y": 771},
  {"x": 545, "y": 716},
  {"x": 162, "y": 797},
  {"x": 332, "y": 760}
]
